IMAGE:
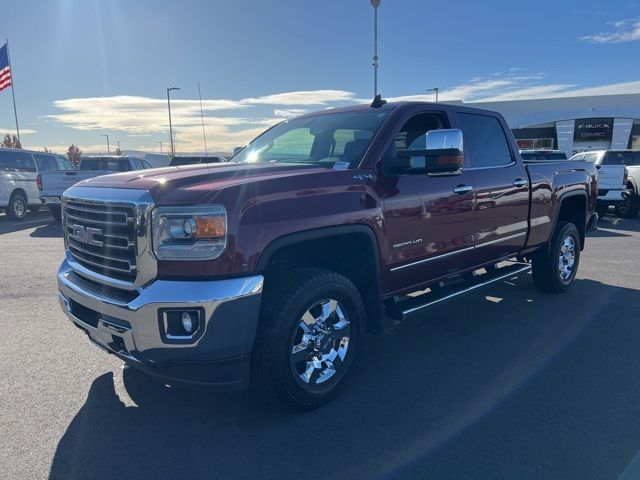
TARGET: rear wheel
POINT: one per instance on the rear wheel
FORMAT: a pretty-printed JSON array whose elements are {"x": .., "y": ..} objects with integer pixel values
[
  {"x": 17, "y": 208},
  {"x": 629, "y": 207},
  {"x": 554, "y": 269},
  {"x": 310, "y": 334}
]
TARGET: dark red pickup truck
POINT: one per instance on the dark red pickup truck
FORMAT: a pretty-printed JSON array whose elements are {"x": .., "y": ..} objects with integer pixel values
[{"x": 277, "y": 262}]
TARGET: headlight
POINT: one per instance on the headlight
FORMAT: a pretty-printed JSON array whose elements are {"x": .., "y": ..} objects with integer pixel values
[{"x": 189, "y": 233}]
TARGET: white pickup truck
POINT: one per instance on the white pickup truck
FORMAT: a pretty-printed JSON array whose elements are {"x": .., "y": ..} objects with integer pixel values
[
  {"x": 53, "y": 184},
  {"x": 612, "y": 178}
]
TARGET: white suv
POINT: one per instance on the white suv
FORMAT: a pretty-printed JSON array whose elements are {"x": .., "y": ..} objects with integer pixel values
[
  {"x": 612, "y": 177},
  {"x": 18, "y": 179}
]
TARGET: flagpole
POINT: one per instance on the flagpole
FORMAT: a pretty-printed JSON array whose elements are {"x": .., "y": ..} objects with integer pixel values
[{"x": 13, "y": 93}]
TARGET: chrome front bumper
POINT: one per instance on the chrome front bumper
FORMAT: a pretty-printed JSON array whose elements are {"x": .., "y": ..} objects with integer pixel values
[{"x": 129, "y": 325}]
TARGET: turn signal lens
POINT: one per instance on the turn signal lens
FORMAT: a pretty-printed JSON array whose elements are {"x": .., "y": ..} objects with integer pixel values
[{"x": 210, "y": 227}]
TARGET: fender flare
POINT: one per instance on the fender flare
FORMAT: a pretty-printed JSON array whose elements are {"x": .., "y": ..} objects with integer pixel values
[
  {"x": 374, "y": 306},
  {"x": 562, "y": 198}
]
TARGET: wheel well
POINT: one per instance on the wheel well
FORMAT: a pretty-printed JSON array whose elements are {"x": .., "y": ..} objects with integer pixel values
[
  {"x": 353, "y": 255},
  {"x": 20, "y": 191},
  {"x": 574, "y": 210},
  {"x": 632, "y": 186}
]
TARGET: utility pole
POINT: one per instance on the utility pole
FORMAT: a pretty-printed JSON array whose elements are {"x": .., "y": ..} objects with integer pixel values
[
  {"x": 170, "y": 126},
  {"x": 204, "y": 136},
  {"x": 160, "y": 146},
  {"x": 434, "y": 89}
]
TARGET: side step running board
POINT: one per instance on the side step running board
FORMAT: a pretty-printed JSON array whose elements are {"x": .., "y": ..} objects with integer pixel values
[{"x": 409, "y": 306}]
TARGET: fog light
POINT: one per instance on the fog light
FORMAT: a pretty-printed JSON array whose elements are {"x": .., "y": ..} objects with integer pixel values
[{"x": 187, "y": 322}]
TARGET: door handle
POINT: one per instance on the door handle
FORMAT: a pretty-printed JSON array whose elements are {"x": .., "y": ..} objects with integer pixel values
[
  {"x": 519, "y": 182},
  {"x": 461, "y": 189}
]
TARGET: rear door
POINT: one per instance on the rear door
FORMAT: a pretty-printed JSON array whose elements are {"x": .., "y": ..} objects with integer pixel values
[{"x": 501, "y": 187}]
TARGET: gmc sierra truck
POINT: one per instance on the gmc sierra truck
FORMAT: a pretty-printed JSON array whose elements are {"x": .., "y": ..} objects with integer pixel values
[{"x": 271, "y": 267}]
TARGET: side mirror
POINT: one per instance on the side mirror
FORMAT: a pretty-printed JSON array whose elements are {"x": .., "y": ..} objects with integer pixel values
[{"x": 443, "y": 155}]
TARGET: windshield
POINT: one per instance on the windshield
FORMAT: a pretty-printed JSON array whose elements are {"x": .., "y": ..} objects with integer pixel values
[
  {"x": 332, "y": 140},
  {"x": 544, "y": 156},
  {"x": 105, "y": 164}
]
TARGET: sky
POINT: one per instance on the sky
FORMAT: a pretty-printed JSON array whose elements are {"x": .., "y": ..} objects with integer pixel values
[{"x": 87, "y": 68}]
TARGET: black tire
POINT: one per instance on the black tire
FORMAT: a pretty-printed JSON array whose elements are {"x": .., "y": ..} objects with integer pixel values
[
  {"x": 17, "y": 208},
  {"x": 546, "y": 267},
  {"x": 289, "y": 297},
  {"x": 602, "y": 209},
  {"x": 56, "y": 212},
  {"x": 629, "y": 207}
]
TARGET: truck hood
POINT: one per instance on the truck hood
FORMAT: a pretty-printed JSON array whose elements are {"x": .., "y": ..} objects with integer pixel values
[{"x": 187, "y": 184}]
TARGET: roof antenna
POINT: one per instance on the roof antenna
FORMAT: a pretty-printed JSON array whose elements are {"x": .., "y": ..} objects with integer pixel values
[{"x": 377, "y": 101}]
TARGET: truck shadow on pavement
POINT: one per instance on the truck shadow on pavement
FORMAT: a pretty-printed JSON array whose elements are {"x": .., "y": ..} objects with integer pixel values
[
  {"x": 33, "y": 220},
  {"x": 483, "y": 369}
]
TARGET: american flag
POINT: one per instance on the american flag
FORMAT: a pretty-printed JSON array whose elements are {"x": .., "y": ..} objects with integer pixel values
[{"x": 5, "y": 69}]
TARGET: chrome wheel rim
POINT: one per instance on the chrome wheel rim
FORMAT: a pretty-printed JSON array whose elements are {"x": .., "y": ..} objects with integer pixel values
[
  {"x": 567, "y": 258},
  {"x": 320, "y": 343},
  {"x": 19, "y": 208}
]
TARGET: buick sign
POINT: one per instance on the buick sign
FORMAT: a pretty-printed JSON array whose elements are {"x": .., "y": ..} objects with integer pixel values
[{"x": 593, "y": 129}]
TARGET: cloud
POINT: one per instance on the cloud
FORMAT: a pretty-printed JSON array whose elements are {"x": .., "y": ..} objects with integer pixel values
[
  {"x": 139, "y": 116},
  {"x": 624, "y": 31},
  {"x": 12, "y": 131},
  {"x": 308, "y": 97},
  {"x": 495, "y": 88},
  {"x": 289, "y": 112}
]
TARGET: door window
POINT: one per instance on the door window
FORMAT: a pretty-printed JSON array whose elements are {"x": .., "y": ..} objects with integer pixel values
[
  {"x": 14, "y": 159},
  {"x": 485, "y": 140},
  {"x": 413, "y": 135},
  {"x": 64, "y": 164},
  {"x": 46, "y": 163}
]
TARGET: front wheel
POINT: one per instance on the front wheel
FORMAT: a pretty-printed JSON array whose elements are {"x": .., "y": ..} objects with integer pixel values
[
  {"x": 310, "y": 334},
  {"x": 56, "y": 212},
  {"x": 554, "y": 269}
]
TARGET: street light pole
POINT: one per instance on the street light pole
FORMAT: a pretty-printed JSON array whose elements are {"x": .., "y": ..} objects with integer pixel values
[
  {"x": 375, "y": 4},
  {"x": 108, "y": 148},
  {"x": 170, "y": 125},
  {"x": 435, "y": 89},
  {"x": 160, "y": 146}
]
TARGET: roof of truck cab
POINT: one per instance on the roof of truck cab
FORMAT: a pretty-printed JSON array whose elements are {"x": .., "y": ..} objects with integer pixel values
[{"x": 390, "y": 106}]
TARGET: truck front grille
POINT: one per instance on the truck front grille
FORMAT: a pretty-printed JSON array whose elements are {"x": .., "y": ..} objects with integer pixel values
[{"x": 102, "y": 237}]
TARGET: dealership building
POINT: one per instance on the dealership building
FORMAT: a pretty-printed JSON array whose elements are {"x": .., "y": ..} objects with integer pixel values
[{"x": 573, "y": 124}]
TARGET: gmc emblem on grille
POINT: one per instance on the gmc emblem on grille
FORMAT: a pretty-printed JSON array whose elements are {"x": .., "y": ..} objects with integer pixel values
[{"x": 86, "y": 234}]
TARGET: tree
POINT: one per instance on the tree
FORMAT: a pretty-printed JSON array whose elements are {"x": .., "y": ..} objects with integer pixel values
[
  {"x": 45, "y": 150},
  {"x": 74, "y": 154},
  {"x": 11, "y": 142}
]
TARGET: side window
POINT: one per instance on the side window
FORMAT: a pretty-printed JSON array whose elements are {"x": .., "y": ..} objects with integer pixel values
[
  {"x": 21, "y": 161},
  {"x": 64, "y": 164},
  {"x": 413, "y": 134},
  {"x": 137, "y": 164},
  {"x": 46, "y": 163},
  {"x": 146, "y": 164},
  {"x": 485, "y": 140}
]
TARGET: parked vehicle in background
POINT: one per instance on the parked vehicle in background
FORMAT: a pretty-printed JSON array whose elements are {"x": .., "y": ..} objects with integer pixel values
[
  {"x": 52, "y": 183},
  {"x": 19, "y": 171},
  {"x": 612, "y": 177},
  {"x": 178, "y": 160},
  {"x": 629, "y": 207},
  {"x": 345, "y": 217},
  {"x": 543, "y": 155}
]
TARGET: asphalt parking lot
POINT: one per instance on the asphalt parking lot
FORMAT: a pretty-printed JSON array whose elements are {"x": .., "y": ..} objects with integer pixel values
[{"x": 506, "y": 383}]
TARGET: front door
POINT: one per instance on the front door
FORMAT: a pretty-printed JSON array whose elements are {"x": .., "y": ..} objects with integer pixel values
[{"x": 428, "y": 219}]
